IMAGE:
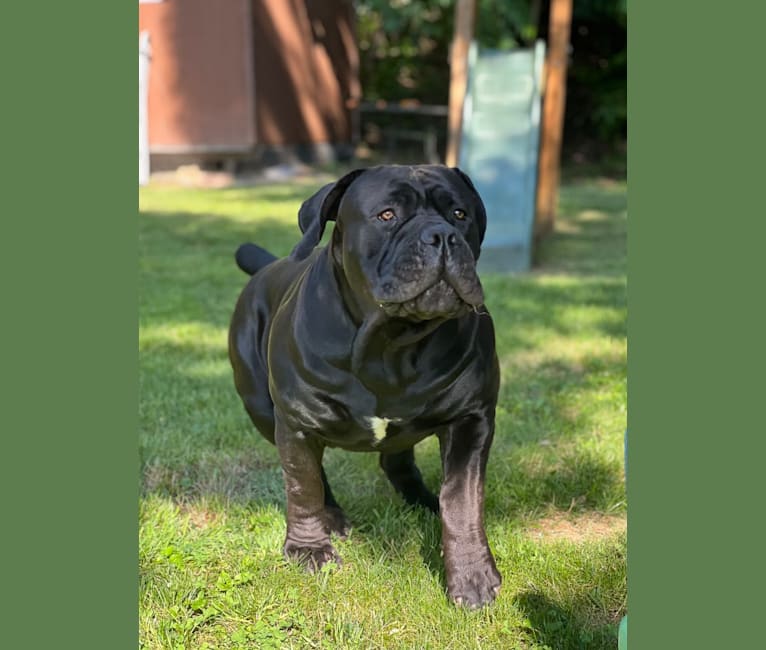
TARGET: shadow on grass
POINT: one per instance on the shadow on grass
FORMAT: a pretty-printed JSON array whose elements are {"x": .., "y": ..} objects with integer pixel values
[
  {"x": 524, "y": 310},
  {"x": 590, "y": 236},
  {"x": 572, "y": 627},
  {"x": 294, "y": 193},
  {"x": 543, "y": 400},
  {"x": 187, "y": 271},
  {"x": 578, "y": 482}
]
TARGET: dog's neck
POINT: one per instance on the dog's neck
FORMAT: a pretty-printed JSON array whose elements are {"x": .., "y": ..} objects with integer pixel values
[{"x": 396, "y": 335}]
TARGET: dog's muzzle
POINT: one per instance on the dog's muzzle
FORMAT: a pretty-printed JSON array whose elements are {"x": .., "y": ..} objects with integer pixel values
[{"x": 431, "y": 275}]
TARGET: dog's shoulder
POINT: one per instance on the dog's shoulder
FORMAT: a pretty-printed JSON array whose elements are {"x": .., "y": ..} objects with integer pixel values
[{"x": 268, "y": 288}]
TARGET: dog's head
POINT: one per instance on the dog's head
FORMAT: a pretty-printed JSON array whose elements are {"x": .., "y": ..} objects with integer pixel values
[{"x": 406, "y": 238}]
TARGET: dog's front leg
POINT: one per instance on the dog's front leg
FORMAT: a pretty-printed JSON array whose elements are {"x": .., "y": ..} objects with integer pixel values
[
  {"x": 472, "y": 577},
  {"x": 308, "y": 539}
]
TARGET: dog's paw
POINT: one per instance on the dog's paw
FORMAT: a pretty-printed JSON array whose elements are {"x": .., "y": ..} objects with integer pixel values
[
  {"x": 474, "y": 586},
  {"x": 336, "y": 522},
  {"x": 312, "y": 558}
]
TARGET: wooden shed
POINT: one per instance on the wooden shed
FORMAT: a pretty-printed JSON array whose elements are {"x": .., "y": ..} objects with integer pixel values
[{"x": 247, "y": 78}]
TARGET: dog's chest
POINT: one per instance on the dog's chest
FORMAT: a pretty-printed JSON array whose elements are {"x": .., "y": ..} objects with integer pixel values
[
  {"x": 375, "y": 430},
  {"x": 369, "y": 420},
  {"x": 375, "y": 433},
  {"x": 379, "y": 427}
]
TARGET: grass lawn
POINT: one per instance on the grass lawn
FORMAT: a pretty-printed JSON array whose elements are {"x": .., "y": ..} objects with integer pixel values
[{"x": 212, "y": 501}]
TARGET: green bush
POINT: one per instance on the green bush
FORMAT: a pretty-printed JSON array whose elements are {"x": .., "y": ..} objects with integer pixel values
[{"x": 404, "y": 46}]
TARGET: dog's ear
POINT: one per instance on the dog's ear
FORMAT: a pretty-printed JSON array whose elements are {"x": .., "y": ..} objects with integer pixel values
[
  {"x": 317, "y": 210},
  {"x": 481, "y": 213}
]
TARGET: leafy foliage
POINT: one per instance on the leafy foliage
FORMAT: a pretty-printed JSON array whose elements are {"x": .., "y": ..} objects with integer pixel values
[
  {"x": 404, "y": 44},
  {"x": 404, "y": 54},
  {"x": 596, "y": 84}
]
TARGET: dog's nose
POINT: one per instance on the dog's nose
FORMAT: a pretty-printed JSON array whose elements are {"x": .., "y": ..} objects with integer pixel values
[{"x": 439, "y": 235}]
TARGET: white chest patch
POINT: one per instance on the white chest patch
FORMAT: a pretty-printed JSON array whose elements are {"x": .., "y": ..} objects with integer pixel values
[{"x": 379, "y": 426}]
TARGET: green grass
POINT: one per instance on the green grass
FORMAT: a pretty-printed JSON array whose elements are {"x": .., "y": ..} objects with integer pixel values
[{"x": 212, "y": 502}]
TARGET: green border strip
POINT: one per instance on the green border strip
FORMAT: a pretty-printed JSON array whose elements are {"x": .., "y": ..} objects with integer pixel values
[
  {"x": 695, "y": 331},
  {"x": 70, "y": 325}
]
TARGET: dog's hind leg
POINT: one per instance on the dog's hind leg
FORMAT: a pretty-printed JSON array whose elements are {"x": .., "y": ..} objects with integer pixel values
[
  {"x": 405, "y": 476},
  {"x": 336, "y": 520}
]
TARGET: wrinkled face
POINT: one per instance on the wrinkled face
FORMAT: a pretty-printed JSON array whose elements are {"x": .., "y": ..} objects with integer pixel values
[{"x": 408, "y": 239}]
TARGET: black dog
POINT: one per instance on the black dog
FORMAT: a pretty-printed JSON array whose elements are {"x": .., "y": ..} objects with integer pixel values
[{"x": 371, "y": 344}]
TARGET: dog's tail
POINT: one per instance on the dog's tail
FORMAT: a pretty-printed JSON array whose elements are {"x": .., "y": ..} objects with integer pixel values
[{"x": 251, "y": 258}]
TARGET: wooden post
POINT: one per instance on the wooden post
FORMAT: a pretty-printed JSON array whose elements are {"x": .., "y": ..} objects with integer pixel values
[
  {"x": 465, "y": 14},
  {"x": 552, "y": 126}
]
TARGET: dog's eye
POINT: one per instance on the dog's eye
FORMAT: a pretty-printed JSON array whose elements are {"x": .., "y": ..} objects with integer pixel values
[
  {"x": 459, "y": 214},
  {"x": 386, "y": 215}
]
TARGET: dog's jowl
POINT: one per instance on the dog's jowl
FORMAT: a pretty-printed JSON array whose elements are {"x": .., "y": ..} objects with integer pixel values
[{"x": 372, "y": 343}]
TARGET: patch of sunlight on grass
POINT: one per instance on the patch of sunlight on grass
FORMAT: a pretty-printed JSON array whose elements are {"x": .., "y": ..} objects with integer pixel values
[
  {"x": 240, "y": 205},
  {"x": 576, "y": 352},
  {"x": 591, "y": 215},
  {"x": 201, "y": 335},
  {"x": 208, "y": 369}
]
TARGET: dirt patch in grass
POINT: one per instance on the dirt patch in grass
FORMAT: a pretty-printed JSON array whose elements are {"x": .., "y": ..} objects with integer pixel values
[
  {"x": 581, "y": 527},
  {"x": 199, "y": 516}
]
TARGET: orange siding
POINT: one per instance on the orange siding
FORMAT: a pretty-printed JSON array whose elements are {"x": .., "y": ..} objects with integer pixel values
[
  {"x": 200, "y": 87},
  {"x": 230, "y": 74},
  {"x": 305, "y": 70}
]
